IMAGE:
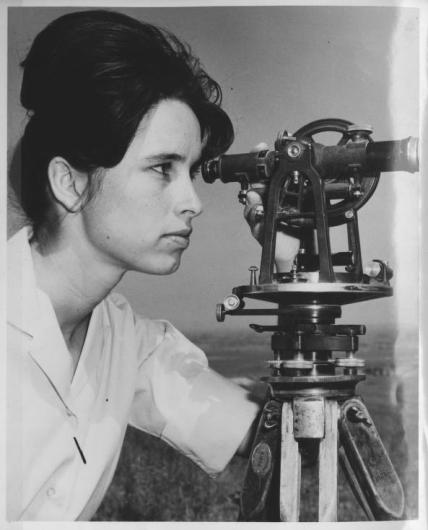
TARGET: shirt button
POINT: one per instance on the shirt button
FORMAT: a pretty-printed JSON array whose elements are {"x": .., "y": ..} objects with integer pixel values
[
  {"x": 50, "y": 492},
  {"x": 72, "y": 418}
]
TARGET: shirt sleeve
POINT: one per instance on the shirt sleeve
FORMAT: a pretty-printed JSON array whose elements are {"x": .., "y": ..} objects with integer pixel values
[{"x": 192, "y": 408}]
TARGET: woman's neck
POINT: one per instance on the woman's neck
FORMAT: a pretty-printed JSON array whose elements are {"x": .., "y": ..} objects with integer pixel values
[{"x": 74, "y": 279}]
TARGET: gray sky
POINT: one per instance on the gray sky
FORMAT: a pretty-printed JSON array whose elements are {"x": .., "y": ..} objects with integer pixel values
[{"x": 279, "y": 68}]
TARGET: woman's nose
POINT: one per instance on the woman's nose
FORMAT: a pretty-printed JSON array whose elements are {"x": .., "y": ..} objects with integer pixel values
[{"x": 189, "y": 201}]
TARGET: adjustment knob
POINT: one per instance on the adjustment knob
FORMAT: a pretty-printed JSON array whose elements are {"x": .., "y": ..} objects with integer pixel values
[
  {"x": 220, "y": 313},
  {"x": 282, "y": 139},
  {"x": 378, "y": 270},
  {"x": 231, "y": 302},
  {"x": 367, "y": 129},
  {"x": 359, "y": 132}
]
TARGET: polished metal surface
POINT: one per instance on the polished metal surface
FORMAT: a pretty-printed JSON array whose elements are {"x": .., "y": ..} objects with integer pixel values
[{"x": 313, "y": 293}]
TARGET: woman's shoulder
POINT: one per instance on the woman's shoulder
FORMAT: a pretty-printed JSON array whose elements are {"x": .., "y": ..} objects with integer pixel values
[
  {"x": 149, "y": 333},
  {"x": 119, "y": 309},
  {"x": 119, "y": 315}
]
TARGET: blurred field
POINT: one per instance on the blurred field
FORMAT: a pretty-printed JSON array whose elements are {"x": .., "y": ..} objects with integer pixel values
[{"x": 155, "y": 483}]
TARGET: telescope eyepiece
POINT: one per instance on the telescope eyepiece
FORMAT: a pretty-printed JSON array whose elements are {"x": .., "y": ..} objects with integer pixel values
[
  {"x": 209, "y": 170},
  {"x": 248, "y": 168}
]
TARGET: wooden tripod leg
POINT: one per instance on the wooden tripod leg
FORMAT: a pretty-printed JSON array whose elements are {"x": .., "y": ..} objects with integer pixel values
[
  {"x": 327, "y": 470},
  {"x": 353, "y": 483},
  {"x": 290, "y": 470},
  {"x": 371, "y": 466}
]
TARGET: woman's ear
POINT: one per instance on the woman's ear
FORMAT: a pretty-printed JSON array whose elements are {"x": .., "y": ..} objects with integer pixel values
[{"x": 67, "y": 184}]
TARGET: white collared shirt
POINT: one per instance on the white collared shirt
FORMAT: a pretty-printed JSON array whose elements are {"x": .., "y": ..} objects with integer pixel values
[{"x": 65, "y": 432}]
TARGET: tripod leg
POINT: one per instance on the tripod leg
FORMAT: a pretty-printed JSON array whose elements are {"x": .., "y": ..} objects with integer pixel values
[
  {"x": 370, "y": 462},
  {"x": 353, "y": 482},
  {"x": 261, "y": 464},
  {"x": 289, "y": 501},
  {"x": 327, "y": 497}
]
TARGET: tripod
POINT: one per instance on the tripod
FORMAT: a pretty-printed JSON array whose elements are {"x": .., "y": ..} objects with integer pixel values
[{"x": 312, "y": 409}]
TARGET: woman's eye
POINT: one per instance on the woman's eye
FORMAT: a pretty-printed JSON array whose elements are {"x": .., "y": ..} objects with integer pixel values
[{"x": 163, "y": 169}]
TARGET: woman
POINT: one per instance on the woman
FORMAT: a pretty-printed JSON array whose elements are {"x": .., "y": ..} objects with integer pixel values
[{"x": 121, "y": 116}]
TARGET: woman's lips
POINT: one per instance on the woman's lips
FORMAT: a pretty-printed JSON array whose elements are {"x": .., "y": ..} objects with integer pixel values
[{"x": 180, "y": 239}]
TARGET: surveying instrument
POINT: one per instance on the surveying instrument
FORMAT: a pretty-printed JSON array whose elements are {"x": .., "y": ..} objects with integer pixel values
[{"x": 311, "y": 406}]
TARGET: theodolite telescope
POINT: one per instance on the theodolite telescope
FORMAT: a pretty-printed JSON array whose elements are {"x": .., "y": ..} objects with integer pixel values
[
  {"x": 306, "y": 189},
  {"x": 358, "y": 153}
]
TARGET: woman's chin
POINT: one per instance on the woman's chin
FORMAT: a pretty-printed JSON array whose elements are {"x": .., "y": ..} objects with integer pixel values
[{"x": 161, "y": 267}]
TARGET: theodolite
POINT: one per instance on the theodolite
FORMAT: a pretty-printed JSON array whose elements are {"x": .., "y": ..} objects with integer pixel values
[{"x": 306, "y": 188}]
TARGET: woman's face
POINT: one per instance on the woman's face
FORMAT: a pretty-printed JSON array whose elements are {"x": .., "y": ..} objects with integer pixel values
[{"x": 141, "y": 218}]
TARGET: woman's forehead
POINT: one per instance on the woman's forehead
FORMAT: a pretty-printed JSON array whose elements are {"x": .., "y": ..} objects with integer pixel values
[{"x": 171, "y": 127}]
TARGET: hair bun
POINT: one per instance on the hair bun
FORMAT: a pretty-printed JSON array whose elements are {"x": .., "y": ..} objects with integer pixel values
[
  {"x": 35, "y": 78},
  {"x": 47, "y": 69}
]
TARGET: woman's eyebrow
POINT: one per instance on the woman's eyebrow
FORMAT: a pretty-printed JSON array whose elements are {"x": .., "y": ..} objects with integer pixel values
[
  {"x": 164, "y": 157},
  {"x": 171, "y": 157}
]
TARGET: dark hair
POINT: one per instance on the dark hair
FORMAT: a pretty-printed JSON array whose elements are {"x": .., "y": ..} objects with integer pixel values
[{"x": 89, "y": 78}]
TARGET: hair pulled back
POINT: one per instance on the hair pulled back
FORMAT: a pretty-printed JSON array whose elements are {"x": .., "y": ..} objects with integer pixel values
[{"x": 89, "y": 78}]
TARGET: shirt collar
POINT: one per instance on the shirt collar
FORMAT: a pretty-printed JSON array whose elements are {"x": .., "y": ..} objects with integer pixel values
[
  {"x": 22, "y": 299},
  {"x": 30, "y": 310}
]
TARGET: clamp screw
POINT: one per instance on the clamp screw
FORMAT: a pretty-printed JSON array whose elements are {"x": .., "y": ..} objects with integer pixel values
[
  {"x": 294, "y": 150},
  {"x": 259, "y": 213},
  {"x": 356, "y": 416}
]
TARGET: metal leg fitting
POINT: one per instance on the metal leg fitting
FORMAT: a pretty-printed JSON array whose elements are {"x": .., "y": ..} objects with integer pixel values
[{"x": 344, "y": 433}]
